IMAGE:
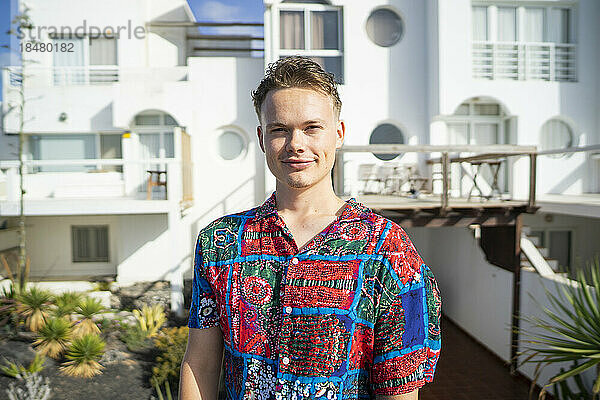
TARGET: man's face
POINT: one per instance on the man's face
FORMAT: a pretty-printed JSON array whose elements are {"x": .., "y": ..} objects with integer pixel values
[{"x": 299, "y": 134}]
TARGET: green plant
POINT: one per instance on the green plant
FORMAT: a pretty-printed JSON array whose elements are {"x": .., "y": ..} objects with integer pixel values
[
  {"x": 16, "y": 370},
  {"x": 134, "y": 338},
  {"x": 88, "y": 308},
  {"x": 66, "y": 303},
  {"x": 571, "y": 331},
  {"x": 8, "y": 307},
  {"x": 159, "y": 391},
  {"x": 33, "y": 305},
  {"x": 564, "y": 392},
  {"x": 53, "y": 337},
  {"x": 102, "y": 285},
  {"x": 35, "y": 388},
  {"x": 171, "y": 343},
  {"x": 150, "y": 319},
  {"x": 83, "y": 356}
]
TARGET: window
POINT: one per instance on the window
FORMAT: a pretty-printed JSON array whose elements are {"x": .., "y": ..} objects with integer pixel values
[
  {"x": 231, "y": 145},
  {"x": 480, "y": 23},
  {"x": 385, "y": 27},
  {"x": 560, "y": 247},
  {"x": 75, "y": 147},
  {"x": 155, "y": 130},
  {"x": 386, "y": 134},
  {"x": 90, "y": 243},
  {"x": 507, "y": 24},
  {"x": 556, "y": 134},
  {"x": 84, "y": 60},
  {"x": 314, "y": 30},
  {"x": 63, "y": 147},
  {"x": 531, "y": 41}
]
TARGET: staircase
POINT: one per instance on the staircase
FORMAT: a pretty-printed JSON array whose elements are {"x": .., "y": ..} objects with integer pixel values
[{"x": 535, "y": 257}]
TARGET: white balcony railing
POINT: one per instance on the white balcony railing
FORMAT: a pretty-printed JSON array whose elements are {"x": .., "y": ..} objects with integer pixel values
[
  {"x": 90, "y": 75},
  {"x": 94, "y": 179},
  {"x": 525, "y": 61}
]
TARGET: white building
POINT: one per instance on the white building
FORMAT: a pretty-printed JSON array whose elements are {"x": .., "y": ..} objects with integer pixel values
[{"x": 152, "y": 93}]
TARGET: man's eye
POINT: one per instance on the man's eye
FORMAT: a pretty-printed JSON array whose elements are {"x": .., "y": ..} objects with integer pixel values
[{"x": 313, "y": 127}]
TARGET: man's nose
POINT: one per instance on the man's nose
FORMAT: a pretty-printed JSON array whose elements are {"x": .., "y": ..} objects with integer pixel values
[{"x": 296, "y": 141}]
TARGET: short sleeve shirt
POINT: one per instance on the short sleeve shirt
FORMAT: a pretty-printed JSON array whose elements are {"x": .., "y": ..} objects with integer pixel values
[{"x": 354, "y": 314}]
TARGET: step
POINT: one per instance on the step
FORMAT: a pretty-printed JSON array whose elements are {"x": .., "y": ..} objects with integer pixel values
[
  {"x": 534, "y": 239},
  {"x": 543, "y": 251},
  {"x": 553, "y": 263}
]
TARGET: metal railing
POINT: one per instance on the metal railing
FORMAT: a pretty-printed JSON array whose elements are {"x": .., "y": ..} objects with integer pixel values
[
  {"x": 484, "y": 152},
  {"x": 39, "y": 76},
  {"x": 524, "y": 61},
  {"x": 232, "y": 39}
]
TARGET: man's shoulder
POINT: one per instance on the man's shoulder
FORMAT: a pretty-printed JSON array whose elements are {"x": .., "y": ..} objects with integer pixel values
[{"x": 228, "y": 223}]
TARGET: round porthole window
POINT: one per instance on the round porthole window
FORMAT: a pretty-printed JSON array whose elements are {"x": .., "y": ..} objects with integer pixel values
[
  {"x": 556, "y": 135},
  {"x": 385, "y": 27},
  {"x": 386, "y": 134},
  {"x": 231, "y": 145}
]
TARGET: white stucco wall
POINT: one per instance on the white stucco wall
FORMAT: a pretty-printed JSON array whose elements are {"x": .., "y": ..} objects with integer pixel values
[{"x": 136, "y": 247}]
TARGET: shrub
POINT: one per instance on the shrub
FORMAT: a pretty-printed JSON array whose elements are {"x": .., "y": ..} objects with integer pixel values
[
  {"x": 35, "y": 388},
  {"x": 83, "y": 356},
  {"x": 8, "y": 307},
  {"x": 88, "y": 308},
  {"x": 33, "y": 304},
  {"x": 150, "y": 319},
  {"x": 171, "y": 342},
  {"x": 15, "y": 370},
  {"x": 134, "y": 338},
  {"x": 53, "y": 337},
  {"x": 167, "y": 391},
  {"x": 66, "y": 303}
]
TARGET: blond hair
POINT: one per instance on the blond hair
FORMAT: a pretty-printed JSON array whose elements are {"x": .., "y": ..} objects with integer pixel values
[{"x": 296, "y": 72}]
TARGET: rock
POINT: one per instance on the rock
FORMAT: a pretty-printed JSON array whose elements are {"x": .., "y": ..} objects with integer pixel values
[
  {"x": 103, "y": 296},
  {"x": 140, "y": 293},
  {"x": 17, "y": 352},
  {"x": 112, "y": 356}
]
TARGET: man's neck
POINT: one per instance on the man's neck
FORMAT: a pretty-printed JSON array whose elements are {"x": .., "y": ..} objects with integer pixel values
[{"x": 317, "y": 200}]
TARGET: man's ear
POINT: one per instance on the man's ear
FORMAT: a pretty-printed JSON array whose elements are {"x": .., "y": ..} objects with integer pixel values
[
  {"x": 259, "y": 133},
  {"x": 341, "y": 133}
]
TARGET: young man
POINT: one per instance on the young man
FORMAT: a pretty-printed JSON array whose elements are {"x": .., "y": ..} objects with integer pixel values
[{"x": 311, "y": 297}]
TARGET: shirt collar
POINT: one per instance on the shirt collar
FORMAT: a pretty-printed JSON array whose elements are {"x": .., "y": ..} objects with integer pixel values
[{"x": 353, "y": 210}]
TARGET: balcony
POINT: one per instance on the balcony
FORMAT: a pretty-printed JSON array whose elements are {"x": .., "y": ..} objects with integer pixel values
[
  {"x": 91, "y": 75},
  {"x": 94, "y": 186},
  {"x": 524, "y": 61}
]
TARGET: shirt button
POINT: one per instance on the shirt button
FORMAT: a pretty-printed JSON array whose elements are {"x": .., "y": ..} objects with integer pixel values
[
  {"x": 294, "y": 261},
  {"x": 285, "y": 360},
  {"x": 288, "y": 310}
]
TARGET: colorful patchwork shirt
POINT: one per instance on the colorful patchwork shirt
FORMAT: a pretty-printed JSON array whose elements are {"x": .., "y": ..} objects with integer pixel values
[{"x": 355, "y": 313}]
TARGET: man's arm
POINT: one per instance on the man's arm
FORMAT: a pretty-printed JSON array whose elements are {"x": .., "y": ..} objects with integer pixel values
[
  {"x": 201, "y": 365},
  {"x": 414, "y": 395}
]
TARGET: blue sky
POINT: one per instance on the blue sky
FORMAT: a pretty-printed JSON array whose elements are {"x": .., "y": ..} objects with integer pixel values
[{"x": 204, "y": 10}]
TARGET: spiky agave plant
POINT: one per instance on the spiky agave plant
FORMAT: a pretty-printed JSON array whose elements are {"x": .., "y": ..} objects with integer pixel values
[
  {"x": 53, "y": 337},
  {"x": 66, "y": 303},
  {"x": 33, "y": 305},
  {"x": 88, "y": 308},
  {"x": 83, "y": 355},
  {"x": 571, "y": 331}
]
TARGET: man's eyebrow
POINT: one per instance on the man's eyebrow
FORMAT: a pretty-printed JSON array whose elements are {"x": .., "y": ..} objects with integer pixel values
[
  {"x": 309, "y": 122},
  {"x": 314, "y": 121},
  {"x": 274, "y": 124}
]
